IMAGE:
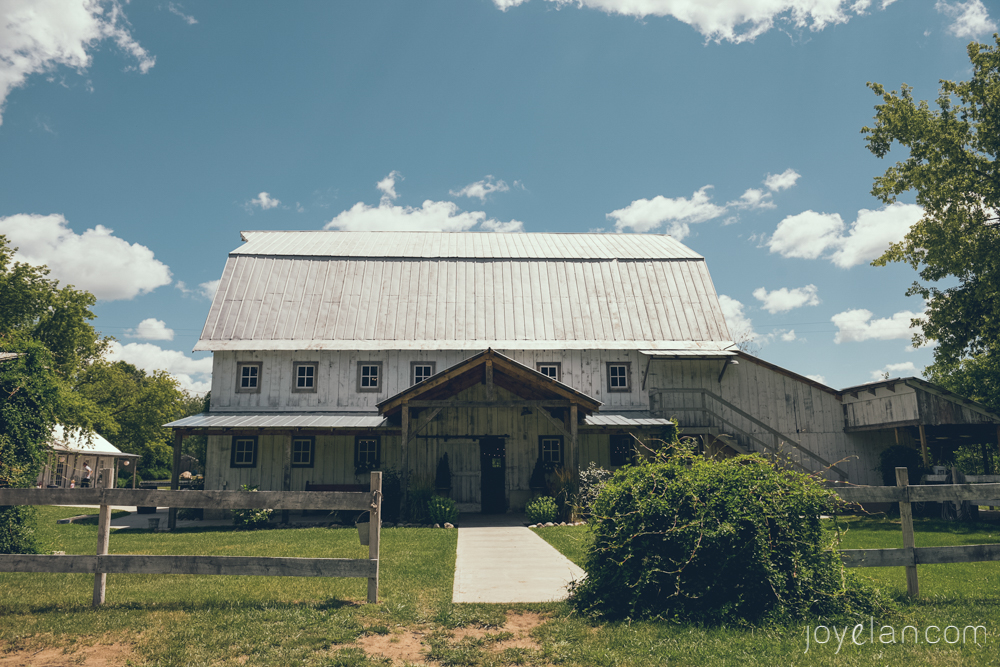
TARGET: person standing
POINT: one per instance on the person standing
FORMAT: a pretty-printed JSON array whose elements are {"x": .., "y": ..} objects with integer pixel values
[{"x": 85, "y": 482}]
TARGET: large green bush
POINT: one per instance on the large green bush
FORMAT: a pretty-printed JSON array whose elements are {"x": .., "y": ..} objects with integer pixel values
[{"x": 735, "y": 541}]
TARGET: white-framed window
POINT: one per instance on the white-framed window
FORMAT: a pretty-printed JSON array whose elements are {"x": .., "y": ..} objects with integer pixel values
[
  {"x": 303, "y": 452},
  {"x": 248, "y": 377},
  {"x": 552, "y": 369},
  {"x": 421, "y": 370},
  {"x": 550, "y": 449},
  {"x": 244, "y": 452},
  {"x": 619, "y": 376},
  {"x": 304, "y": 376},
  {"x": 369, "y": 376}
]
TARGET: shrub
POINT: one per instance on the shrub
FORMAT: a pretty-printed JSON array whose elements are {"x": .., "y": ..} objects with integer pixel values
[
  {"x": 592, "y": 480},
  {"x": 735, "y": 541},
  {"x": 392, "y": 495},
  {"x": 441, "y": 510},
  {"x": 541, "y": 510},
  {"x": 565, "y": 491},
  {"x": 899, "y": 456},
  {"x": 251, "y": 518}
]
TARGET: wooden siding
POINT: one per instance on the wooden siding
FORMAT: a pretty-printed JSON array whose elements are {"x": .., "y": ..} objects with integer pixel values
[
  {"x": 882, "y": 407},
  {"x": 805, "y": 413},
  {"x": 583, "y": 370}
]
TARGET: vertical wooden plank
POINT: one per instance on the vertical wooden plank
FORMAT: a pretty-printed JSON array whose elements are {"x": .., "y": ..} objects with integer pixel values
[
  {"x": 906, "y": 518},
  {"x": 175, "y": 478},
  {"x": 286, "y": 470},
  {"x": 103, "y": 537},
  {"x": 374, "y": 533},
  {"x": 923, "y": 445},
  {"x": 405, "y": 453},
  {"x": 574, "y": 440}
]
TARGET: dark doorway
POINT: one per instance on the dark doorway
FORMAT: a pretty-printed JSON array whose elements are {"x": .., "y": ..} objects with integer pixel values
[{"x": 493, "y": 475}]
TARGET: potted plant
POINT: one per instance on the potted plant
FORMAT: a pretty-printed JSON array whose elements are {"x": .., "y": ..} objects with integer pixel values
[{"x": 442, "y": 480}]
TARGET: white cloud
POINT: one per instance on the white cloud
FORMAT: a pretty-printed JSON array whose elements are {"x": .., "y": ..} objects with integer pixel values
[
  {"x": 753, "y": 198},
  {"x": 481, "y": 189},
  {"x": 193, "y": 375},
  {"x": 209, "y": 289},
  {"x": 971, "y": 18},
  {"x": 739, "y": 324},
  {"x": 788, "y": 336},
  {"x": 784, "y": 299},
  {"x": 265, "y": 201},
  {"x": 644, "y": 215},
  {"x": 439, "y": 216},
  {"x": 726, "y": 20},
  {"x": 810, "y": 235},
  {"x": 857, "y": 325},
  {"x": 96, "y": 261},
  {"x": 151, "y": 329},
  {"x": 905, "y": 369},
  {"x": 174, "y": 8},
  {"x": 39, "y": 35},
  {"x": 817, "y": 378},
  {"x": 782, "y": 181}
]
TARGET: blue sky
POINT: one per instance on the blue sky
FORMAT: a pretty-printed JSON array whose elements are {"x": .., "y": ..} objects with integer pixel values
[{"x": 138, "y": 139}]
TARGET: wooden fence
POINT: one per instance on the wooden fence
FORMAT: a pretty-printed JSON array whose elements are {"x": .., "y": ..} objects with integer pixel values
[
  {"x": 911, "y": 555},
  {"x": 104, "y": 563}
]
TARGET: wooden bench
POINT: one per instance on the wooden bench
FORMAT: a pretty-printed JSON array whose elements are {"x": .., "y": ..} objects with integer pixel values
[{"x": 349, "y": 488}]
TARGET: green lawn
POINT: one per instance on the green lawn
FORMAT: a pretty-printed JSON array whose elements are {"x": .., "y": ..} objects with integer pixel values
[{"x": 184, "y": 620}]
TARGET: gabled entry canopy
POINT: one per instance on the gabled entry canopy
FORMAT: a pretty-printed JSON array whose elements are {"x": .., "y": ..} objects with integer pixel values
[{"x": 491, "y": 368}]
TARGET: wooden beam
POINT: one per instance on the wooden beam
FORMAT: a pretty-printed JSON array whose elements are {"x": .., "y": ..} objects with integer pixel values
[
  {"x": 646, "y": 372},
  {"x": 557, "y": 423},
  {"x": 490, "y": 388},
  {"x": 906, "y": 518},
  {"x": 374, "y": 533},
  {"x": 279, "y": 500},
  {"x": 175, "y": 479},
  {"x": 923, "y": 445},
  {"x": 574, "y": 440},
  {"x": 201, "y": 565},
  {"x": 423, "y": 424},
  {"x": 967, "y": 553},
  {"x": 405, "y": 454},
  {"x": 451, "y": 403},
  {"x": 103, "y": 538}
]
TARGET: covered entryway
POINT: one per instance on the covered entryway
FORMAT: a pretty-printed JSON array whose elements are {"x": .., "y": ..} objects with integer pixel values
[{"x": 495, "y": 418}]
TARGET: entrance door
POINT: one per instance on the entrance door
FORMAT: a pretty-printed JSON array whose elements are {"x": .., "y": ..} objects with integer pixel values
[{"x": 493, "y": 475}]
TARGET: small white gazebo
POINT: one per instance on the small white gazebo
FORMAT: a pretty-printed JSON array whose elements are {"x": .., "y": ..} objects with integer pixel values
[{"x": 69, "y": 452}]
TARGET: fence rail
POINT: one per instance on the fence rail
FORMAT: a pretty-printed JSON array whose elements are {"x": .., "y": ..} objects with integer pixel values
[
  {"x": 103, "y": 563},
  {"x": 910, "y": 555}
]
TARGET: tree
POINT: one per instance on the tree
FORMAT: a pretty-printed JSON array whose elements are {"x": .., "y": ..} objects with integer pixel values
[{"x": 952, "y": 167}]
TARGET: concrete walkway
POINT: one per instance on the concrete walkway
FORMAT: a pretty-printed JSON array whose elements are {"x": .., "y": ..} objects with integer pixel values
[{"x": 500, "y": 560}]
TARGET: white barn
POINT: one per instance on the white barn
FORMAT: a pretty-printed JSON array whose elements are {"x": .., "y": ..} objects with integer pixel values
[{"x": 335, "y": 352}]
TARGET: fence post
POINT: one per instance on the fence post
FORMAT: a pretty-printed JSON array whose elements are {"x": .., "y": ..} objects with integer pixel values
[
  {"x": 374, "y": 533},
  {"x": 906, "y": 518},
  {"x": 103, "y": 537}
]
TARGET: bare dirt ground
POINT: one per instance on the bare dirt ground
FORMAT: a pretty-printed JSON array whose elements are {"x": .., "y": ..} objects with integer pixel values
[
  {"x": 107, "y": 655},
  {"x": 409, "y": 647}
]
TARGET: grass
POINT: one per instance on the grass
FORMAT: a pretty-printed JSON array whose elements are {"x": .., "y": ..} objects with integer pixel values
[{"x": 184, "y": 620}]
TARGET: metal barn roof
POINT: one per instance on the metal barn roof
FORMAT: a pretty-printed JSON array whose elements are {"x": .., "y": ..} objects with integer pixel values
[
  {"x": 462, "y": 245},
  {"x": 238, "y": 420},
  {"x": 329, "y": 290}
]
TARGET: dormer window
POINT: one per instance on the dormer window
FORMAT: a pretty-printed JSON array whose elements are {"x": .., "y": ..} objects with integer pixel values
[{"x": 248, "y": 377}]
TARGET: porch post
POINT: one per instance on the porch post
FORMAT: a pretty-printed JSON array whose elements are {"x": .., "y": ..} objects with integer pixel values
[
  {"x": 923, "y": 445},
  {"x": 286, "y": 471},
  {"x": 574, "y": 440},
  {"x": 175, "y": 479},
  {"x": 405, "y": 453}
]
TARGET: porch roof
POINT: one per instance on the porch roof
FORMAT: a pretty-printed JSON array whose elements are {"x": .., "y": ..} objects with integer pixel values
[
  {"x": 485, "y": 367},
  {"x": 279, "y": 420},
  {"x": 626, "y": 421}
]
